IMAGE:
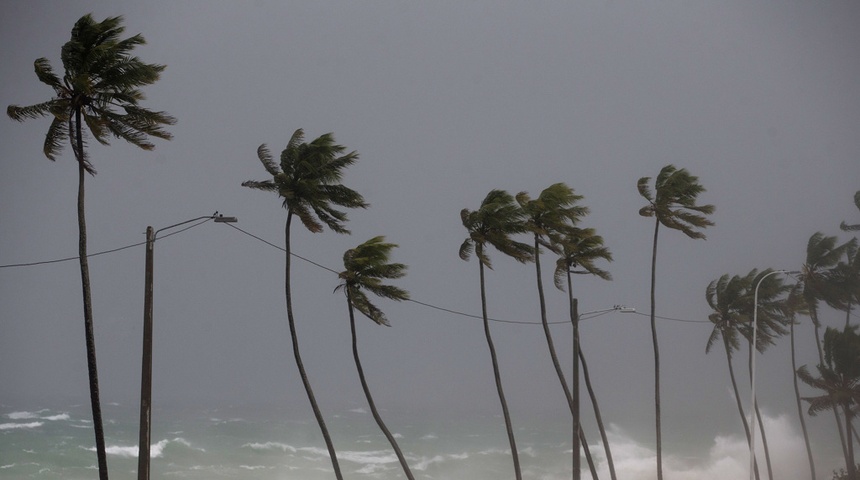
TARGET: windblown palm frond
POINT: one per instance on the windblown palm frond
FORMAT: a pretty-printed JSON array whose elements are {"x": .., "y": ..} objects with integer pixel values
[
  {"x": 493, "y": 223},
  {"x": 365, "y": 266},
  {"x": 580, "y": 248},
  {"x": 674, "y": 205}
]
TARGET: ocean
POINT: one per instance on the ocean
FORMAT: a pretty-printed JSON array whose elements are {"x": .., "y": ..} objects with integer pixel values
[{"x": 263, "y": 443}]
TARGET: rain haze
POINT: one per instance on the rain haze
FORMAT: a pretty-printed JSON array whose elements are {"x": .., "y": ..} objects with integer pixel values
[{"x": 443, "y": 101}]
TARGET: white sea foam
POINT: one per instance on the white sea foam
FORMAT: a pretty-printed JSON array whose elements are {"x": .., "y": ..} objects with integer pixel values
[
  {"x": 16, "y": 426},
  {"x": 22, "y": 415},
  {"x": 156, "y": 450},
  {"x": 54, "y": 418},
  {"x": 270, "y": 446}
]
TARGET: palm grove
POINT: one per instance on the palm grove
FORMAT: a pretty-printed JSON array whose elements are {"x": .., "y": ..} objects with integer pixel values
[{"x": 98, "y": 96}]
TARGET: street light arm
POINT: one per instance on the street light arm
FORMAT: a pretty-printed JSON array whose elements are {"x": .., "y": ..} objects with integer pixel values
[{"x": 215, "y": 216}]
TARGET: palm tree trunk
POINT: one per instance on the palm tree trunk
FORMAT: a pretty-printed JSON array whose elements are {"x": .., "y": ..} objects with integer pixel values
[
  {"x": 597, "y": 415},
  {"x": 656, "y": 355},
  {"x": 849, "y": 460},
  {"x": 572, "y": 399},
  {"x": 295, "y": 339},
  {"x": 817, "y": 329},
  {"x": 367, "y": 395},
  {"x": 92, "y": 367},
  {"x": 799, "y": 406},
  {"x": 497, "y": 375},
  {"x": 760, "y": 422},
  {"x": 738, "y": 400}
]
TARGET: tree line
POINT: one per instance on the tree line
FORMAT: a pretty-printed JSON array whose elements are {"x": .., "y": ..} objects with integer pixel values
[{"x": 99, "y": 95}]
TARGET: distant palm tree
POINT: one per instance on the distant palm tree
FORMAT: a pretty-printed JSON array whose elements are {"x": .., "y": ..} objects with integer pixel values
[
  {"x": 725, "y": 297},
  {"x": 100, "y": 90},
  {"x": 549, "y": 217},
  {"x": 581, "y": 248},
  {"x": 308, "y": 181},
  {"x": 839, "y": 379},
  {"x": 852, "y": 228},
  {"x": 365, "y": 267},
  {"x": 493, "y": 223},
  {"x": 673, "y": 204},
  {"x": 823, "y": 254}
]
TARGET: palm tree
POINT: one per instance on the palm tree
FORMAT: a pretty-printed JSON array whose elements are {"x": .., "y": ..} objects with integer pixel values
[
  {"x": 724, "y": 296},
  {"x": 839, "y": 379},
  {"x": 674, "y": 206},
  {"x": 581, "y": 248},
  {"x": 549, "y": 217},
  {"x": 308, "y": 181},
  {"x": 99, "y": 92},
  {"x": 365, "y": 267},
  {"x": 493, "y": 223},
  {"x": 795, "y": 304},
  {"x": 852, "y": 228},
  {"x": 817, "y": 276}
]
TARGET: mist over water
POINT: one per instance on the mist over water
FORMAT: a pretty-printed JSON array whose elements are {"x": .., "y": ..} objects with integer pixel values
[{"x": 255, "y": 443}]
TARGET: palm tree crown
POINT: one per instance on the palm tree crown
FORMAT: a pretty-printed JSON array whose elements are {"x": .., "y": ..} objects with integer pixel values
[
  {"x": 493, "y": 223},
  {"x": 100, "y": 89},
  {"x": 552, "y": 214},
  {"x": 307, "y": 180},
  {"x": 580, "y": 248},
  {"x": 365, "y": 267},
  {"x": 674, "y": 205}
]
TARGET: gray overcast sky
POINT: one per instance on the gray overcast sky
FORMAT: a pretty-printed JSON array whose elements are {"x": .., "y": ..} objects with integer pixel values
[{"x": 444, "y": 101}]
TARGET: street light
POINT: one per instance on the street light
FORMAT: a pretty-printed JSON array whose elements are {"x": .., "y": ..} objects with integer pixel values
[
  {"x": 575, "y": 317},
  {"x": 752, "y": 366},
  {"x": 146, "y": 369}
]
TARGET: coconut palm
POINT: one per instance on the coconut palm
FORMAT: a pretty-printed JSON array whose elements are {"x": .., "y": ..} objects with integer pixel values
[
  {"x": 725, "y": 297},
  {"x": 672, "y": 204},
  {"x": 308, "y": 181},
  {"x": 549, "y": 217},
  {"x": 839, "y": 379},
  {"x": 493, "y": 224},
  {"x": 852, "y": 228},
  {"x": 99, "y": 93},
  {"x": 817, "y": 274},
  {"x": 581, "y": 248},
  {"x": 365, "y": 267}
]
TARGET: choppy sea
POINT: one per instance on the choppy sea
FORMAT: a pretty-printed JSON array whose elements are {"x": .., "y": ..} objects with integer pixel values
[{"x": 263, "y": 443}]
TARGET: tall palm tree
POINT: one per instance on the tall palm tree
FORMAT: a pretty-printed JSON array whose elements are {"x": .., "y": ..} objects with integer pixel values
[
  {"x": 493, "y": 224},
  {"x": 549, "y": 217},
  {"x": 581, "y": 248},
  {"x": 795, "y": 304},
  {"x": 308, "y": 181},
  {"x": 365, "y": 267},
  {"x": 672, "y": 204},
  {"x": 99, "y": 93},
  {"x": 823, "y": 254},
  {"x": 724, "y": 296},
  {"x": 839, "y": 379}
]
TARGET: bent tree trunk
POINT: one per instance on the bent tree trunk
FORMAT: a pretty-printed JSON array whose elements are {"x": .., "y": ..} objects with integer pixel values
[
  {"x": 657, "y": 417},
  {"x": 89, "y": 330},
  {"x": 799, "y": 406},
  {"x": 367, "y": 395},
  {"x": 738, "y": 402},
  {"x": 497, "y": 375},
  {"x": 295, "y": 340}
]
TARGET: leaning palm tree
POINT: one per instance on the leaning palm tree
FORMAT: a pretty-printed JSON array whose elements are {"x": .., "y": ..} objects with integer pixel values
[
  {"x": 365, "y": 267},
  {"x": 852, "y": 228},
  {"x": 549, "y": 217},
  {"x": 581, "y": 248},
  {"x": 672, "y": 204},
  {"x": 308, "y": 181},
  {"x": 725, "y": 296},
  {"x": 839, "y": 379},
  {"x": 817, "y": 274},
  {"x": 100, "y": 93},
  {"x": 493, "y": 224}
]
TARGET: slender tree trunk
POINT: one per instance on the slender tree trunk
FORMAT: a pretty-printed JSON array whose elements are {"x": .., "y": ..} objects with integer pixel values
[
  {"x": 760, "y": 422},
  {"x": 572, "y": 400},
  {"x": 577, "y": 426},
  {"x": 799, "y": 406},
  {"x": 738, "y": 400},
  {"x": 656, "y": 355},
  {"x": 367, "y": 395},
  {"x": 597, "y": 415},
  {"x": 89, "y": 329},
  {"x": 295, "y": 339},
  {"x": 817, "y": 329},
  {"x": 849, "y": 460},
  {"x": 514, "y": 454}
]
